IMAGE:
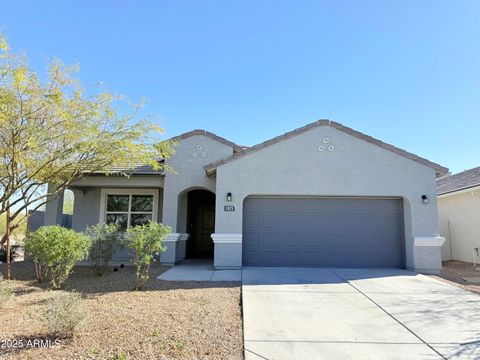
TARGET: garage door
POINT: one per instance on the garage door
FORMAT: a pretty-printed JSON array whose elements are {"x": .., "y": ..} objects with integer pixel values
[{"x": 335, "y": 232}]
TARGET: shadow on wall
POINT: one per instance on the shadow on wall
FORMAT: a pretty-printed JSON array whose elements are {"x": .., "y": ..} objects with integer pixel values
[{"x": 36, "y": 219}]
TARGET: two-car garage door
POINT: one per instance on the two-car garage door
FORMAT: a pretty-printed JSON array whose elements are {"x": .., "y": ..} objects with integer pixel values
[{"x": 330, "y": 232}]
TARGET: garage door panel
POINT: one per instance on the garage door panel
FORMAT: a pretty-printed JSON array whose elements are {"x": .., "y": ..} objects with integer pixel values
[
  {"x": 251, "y": 221},
  {"x": 253, "y": 242},
  {"x": 345, "y": 232},
  {"x": 271, "y": 219}
]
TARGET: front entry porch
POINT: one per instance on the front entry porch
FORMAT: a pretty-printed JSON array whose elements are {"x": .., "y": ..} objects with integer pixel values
[{"x": 196, "y": 221}]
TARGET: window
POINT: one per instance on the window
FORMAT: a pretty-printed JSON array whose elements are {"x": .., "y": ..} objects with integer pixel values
[{"x": 127, "y": 208}]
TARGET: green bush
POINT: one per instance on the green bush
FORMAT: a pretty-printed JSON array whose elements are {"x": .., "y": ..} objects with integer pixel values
[
  {"x": 65, "y": 314},
  {"x": 6, "y": 293},
  {"x": 55, "y": 251},
  {"x": 145, "y": 241},
  {"x": 104, "y": 239}
]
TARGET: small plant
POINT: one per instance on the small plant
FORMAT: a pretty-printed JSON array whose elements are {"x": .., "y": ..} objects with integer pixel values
[
  {"x": 6, "y": 293},
  {"x": 65, "y": 314},
  {"x": 104, "y": 240},
  {"x": 171, "y": 345},
  {"x": 156, "y": 333},
  {"x": 120, "y": 356},
  {"x": 55, "y": 251},
  {"x": 145, "y": 241}
]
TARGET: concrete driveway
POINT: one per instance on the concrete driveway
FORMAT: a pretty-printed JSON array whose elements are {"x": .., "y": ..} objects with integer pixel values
[{"x": 299, "y": 313}]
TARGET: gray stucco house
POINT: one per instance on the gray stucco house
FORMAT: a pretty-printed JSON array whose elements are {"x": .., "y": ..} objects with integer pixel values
[{"x": 320, "y": 195}]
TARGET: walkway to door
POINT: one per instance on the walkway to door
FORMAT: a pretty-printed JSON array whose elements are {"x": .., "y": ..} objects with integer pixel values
[{"x": 199, "y": 270}]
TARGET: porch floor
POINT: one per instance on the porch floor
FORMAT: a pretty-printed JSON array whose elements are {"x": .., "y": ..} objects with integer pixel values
[{"x": 199, "y": 270}]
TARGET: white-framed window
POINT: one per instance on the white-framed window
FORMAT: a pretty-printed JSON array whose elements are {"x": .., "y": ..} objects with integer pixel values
[{"x": 128, "y": 207}]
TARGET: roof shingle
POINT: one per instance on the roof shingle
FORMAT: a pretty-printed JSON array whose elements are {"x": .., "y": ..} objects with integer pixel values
[{"x": 460, "y": 181}]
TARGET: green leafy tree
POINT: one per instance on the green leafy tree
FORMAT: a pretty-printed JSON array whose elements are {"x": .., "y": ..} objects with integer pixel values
[
  {"x": 104, "y": 239},
  {"x": 146, "y": 242},
  {"x": 53, "y": 131},
  {"x": 55, "y": 250}
]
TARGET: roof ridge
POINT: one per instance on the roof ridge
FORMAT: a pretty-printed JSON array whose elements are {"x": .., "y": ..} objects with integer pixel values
[
  {"x": 209, "y": 134},
  {"x": 211, "y": 168},
  {"x": 464, "y": 171}
]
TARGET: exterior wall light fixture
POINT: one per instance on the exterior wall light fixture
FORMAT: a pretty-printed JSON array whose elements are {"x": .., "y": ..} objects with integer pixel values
[
  {"x": 229, "y": 197},
  {"x": 425, "y": 199}
]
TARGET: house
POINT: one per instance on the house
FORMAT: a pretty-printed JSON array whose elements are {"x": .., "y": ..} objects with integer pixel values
[
  {"x": 459, "y": 214},
  {"x": 320, "y": 195}
]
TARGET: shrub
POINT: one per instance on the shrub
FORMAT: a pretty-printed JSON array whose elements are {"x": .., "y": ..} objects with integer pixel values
[
  {"x": 146, "y": 241},
  {"x": 65, "y": 314},
  {"x": 6, "y": 293},
  {"x": 104, "y": 240},
  {"x": 55, "y": 251}
]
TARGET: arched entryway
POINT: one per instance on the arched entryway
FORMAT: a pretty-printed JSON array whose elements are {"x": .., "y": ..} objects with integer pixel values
[{"x": 200, "y": 223}]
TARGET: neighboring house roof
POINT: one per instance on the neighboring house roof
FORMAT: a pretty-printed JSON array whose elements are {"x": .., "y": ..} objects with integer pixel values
[
  {"x": 461, "y": 181},
  {"x": 235, "y": 147},
  {"x": 211, "y": 168}
]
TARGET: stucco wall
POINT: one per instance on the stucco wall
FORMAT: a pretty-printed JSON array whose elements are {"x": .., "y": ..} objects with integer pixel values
[
  {"x": 86, "y": 208},
  {"x": 189, "y": 175},
  {"x": 459, "y": 217},
  {"x": 354, "y": 168}
]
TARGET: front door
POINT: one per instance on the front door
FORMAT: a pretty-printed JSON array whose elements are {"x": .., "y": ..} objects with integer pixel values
[
  {"x": 201, "y": 223},
  {"x": 204, "y": 227}
]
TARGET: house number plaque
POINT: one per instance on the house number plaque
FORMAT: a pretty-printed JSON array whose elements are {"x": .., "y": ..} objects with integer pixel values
[{"x": 229, "y": 208}]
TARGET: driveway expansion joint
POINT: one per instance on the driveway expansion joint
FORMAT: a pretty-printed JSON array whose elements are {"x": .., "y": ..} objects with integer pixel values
[{"x": 386, "y": 312}]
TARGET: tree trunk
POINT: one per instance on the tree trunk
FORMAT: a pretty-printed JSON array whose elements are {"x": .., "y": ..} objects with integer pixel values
[{"x": 8, "y": 233}]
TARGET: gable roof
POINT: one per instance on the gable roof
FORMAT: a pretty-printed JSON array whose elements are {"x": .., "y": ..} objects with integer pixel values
[
  {"x": 142, "y": 169},
  {"x": 235, "y": 147},
  {"x": 211, "y": 168},
  {"x": 460, "y": 181}
]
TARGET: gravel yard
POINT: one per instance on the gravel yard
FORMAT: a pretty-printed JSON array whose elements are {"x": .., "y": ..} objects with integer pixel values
[
  {"x": 454, "y": 273},
  {"x": 167, "y": 320}
]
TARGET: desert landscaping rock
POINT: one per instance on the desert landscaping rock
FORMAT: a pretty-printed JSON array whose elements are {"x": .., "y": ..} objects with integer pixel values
[{"x": 167, "y": 320}]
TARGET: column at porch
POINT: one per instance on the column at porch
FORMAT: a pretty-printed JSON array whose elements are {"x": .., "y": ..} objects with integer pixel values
[
  {"x": 176, "y": 241},
  {"x": 54, "y": 208}
]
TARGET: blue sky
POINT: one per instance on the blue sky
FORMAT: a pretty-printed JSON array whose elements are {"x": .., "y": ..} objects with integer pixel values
[{"x": 406, "y": 72}]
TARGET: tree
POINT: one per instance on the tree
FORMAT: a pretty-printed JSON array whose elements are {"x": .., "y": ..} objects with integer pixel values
[{"x": 53, "y": 131}]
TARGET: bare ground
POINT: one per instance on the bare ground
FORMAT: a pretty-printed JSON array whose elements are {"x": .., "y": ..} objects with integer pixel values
[
  {"x": 166, "y": 320},
  {"x": 453, "y": 273}
]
